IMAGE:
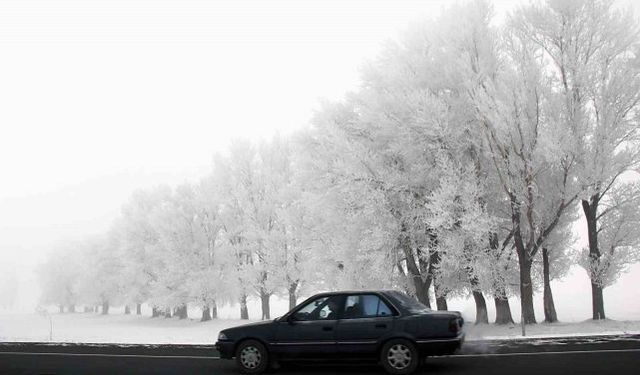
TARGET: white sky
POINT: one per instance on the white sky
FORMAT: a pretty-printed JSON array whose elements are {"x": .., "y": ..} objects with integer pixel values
[{"x": 99, "y": 98}]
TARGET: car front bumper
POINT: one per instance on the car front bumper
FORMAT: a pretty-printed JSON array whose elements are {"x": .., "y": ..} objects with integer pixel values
[{"x": 225, "y": 348}]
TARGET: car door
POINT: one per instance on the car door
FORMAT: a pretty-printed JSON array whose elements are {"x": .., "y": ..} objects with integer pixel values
[
  {"x": 366, "y": 319},
  {"x": 310, "y": 330}
]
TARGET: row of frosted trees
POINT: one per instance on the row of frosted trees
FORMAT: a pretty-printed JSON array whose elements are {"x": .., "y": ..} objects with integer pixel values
[{"x": 462, "y": 166}]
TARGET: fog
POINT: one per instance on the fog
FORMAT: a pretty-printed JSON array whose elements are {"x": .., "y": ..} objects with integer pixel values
[{"x": 101, "y": 98}]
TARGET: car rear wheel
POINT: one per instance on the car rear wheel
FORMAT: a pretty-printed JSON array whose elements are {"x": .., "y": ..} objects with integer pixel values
[
  {"x": 399, "y": 356},
  {"x": 252, "y": 357}
]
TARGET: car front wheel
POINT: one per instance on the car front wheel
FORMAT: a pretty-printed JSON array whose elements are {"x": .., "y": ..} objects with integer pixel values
[
  {"x": 252, "y": 357},
  {"x": 399, "y": 356}
]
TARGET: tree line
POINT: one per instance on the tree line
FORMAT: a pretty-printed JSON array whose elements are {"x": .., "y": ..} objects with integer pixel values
[{"x": 460, "y": 167}]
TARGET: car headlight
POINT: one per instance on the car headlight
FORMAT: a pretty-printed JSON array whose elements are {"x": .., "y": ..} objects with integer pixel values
[{"x": 222, "y": 336}]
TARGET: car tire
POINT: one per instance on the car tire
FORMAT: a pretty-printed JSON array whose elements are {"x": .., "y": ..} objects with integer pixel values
[
  {"x": 252, "y": 357},
  {"x": 399, "y": 357}
]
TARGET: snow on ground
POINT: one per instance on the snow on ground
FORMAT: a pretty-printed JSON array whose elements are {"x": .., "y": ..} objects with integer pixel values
[
  {"x": 132, "y": 329},
  {"x": 560, "y": 329},
  {"x": 96, "y": 328}
]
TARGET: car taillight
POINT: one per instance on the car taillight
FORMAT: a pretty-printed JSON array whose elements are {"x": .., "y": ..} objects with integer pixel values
[{"x": 454, "y": 325}]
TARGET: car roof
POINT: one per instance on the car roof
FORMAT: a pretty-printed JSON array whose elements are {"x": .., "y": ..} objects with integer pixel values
[{"x": 364, "y": 291}]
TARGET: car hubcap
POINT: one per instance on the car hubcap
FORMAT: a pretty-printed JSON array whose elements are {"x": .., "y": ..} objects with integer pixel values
[
  {"x": 399, "y": 356},
  {"x": 250, "y": 357}
]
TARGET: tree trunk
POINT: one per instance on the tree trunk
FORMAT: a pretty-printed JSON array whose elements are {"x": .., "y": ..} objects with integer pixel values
[
  {"x": 550, "y": 315},
  {"x": 214, "y": 309},
  {"x": 481, "y": 308},
  {"x": 524, "y": 263},
  {"x": 206, "y": 313},
  {"x": 422, "y": 290},
  {"x": 415, "y": 269},
  {"x": 167, "y": 312},
  {"x": 526, "y": 292},
  {"x": 155, "y": 312},
  {"x": 503, "y": 310},
  {"x": 105, "y": 307},
  {"x": 244, "y": 310},
  {"x": 441, "y": 296},
  {"x": 72, "y": 308},
  {"x": 182, "y": 312},
  {"x": 292, "y": 295},
  {"x": 266, "y": 309},
  {"x": 597, "y": 302},
  {"x": 138, "y": 309},
  {"x": 590, "y": 209},
  {"x": 127, "y": 310},
  {"x": 441, "y": 303},
  {"x": 482, "y": 317}
]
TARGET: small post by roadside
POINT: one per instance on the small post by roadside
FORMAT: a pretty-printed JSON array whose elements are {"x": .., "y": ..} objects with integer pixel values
[
  {"x": 522, "y": 321},
  {"x": 522, "y": 325},
  {"x": 44, "y": 312}
]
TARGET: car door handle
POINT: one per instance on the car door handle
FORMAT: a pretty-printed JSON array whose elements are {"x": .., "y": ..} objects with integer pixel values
[
  {"x": 327, "y": 328},
  {"x": 380, "y": 325}
]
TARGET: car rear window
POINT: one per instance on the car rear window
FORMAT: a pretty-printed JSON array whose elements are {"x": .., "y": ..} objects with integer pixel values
[
  {"x": 409, "y": 303},
  {"x": 365, "y": 306}
]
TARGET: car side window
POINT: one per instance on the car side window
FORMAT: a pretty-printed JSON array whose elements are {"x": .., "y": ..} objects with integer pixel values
[
  {"x": 365, "y": 306},
  {"x": 383, "y": 309},
  {"x": 323, "y": 308}
]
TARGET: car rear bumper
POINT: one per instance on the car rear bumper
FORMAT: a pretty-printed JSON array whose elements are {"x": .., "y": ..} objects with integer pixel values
[
  {"x": 440, "y": 346},
  {"x": 225, "y": 348}
]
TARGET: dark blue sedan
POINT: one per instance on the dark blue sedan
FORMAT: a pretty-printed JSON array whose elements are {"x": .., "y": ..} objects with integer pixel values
[{"x": 387, "y": 326}]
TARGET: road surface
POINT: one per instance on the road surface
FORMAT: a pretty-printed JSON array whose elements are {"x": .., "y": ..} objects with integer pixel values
[{"x": 585, "y": 355}]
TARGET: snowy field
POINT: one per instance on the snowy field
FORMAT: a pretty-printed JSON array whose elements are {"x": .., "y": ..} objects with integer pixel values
[
  {"x": 586, "y": 328},
  {"x": 96, "y": 328},
  {"x": 133, "y": 329},
  {"x": 572, "y": 302}
]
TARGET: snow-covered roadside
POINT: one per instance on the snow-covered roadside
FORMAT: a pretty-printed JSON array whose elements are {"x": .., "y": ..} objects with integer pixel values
[
  {"x": 126, "y": 329},
  {"x": 541, "y": 330},
  {"x": 131, "y": 329}
]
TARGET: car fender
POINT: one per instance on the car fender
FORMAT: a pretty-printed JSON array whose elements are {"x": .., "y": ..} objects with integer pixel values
[
  {"x": 394, "y": 335},
  {"x": 245, "y": 338}
]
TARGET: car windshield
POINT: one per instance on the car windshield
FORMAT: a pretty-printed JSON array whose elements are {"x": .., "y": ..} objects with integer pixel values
[{"x": 409, "y": 303}]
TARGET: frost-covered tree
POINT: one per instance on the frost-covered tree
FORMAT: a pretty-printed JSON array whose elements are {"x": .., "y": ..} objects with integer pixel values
[
  {"x": 525, "y": 137},
  {"x": 461, "y": 223},
  {"x": 351, "y": 238},
  {"x": 59, "y": 276},
  {"x": 234, "y": 233},
  {"x": 101, "y": 281},
  {"x": 592, "y": 51},
  {"x": 250, "y": 220},
  {"x": 180, "y": 245},
  {"x": 140, "y": 243},
  {"x": 291, "y": 238},
  {"x": 211, "y": 277},
  {"x": 379, "y": 152},
  {"x": 364, "y": 186}
]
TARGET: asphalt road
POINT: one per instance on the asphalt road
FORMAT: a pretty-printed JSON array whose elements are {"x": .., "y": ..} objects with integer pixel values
[{"x": 588, "y": 355}]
